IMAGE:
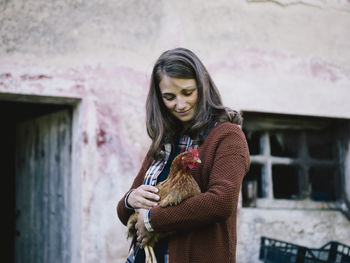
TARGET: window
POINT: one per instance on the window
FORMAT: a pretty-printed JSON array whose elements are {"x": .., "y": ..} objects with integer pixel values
[{"x": 295, "y": 161}]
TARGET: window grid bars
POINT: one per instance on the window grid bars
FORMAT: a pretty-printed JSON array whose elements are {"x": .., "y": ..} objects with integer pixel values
[{"x": 304, "y": 161}]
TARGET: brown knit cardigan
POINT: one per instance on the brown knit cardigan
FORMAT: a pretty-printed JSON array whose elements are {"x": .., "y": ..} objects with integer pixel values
[{"x": 205, "y": 224}]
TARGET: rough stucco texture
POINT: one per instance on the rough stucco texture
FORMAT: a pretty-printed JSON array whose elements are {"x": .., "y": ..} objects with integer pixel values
[
  {"x": 263, "y": 56},
  {"x": 61, "y": 27},
  {"x": 311, "y": 229}
]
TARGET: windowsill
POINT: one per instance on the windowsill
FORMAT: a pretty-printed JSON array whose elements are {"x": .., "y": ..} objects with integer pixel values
[{"x": 295, "y": 204}]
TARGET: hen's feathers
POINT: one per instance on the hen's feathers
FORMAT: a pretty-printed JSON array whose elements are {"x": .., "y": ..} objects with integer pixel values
[
  {"x": 177, "y": 189},
  {"x": 179, "y": 186}
]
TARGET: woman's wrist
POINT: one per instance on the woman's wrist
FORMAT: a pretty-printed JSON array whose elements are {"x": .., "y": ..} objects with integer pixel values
[{"x": 127, "y": 204}]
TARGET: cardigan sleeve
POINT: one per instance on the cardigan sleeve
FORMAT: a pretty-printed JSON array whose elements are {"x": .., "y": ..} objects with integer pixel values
[
  {"x": 122, "y": 210},
  {"x": 228, "y": 163}
]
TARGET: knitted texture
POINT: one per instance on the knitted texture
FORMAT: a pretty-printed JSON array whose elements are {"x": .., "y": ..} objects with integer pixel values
[{"x": 205, "y": 224}]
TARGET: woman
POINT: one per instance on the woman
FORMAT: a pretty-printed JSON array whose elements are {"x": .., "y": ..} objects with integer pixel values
[{"x": 184, "y": 109}]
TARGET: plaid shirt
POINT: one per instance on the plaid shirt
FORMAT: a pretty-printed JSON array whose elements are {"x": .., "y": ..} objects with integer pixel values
[{"x": 151, "y": 178}]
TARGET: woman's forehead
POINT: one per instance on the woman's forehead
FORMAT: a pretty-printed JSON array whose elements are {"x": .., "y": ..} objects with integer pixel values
[{"x": 168, "y": 84}]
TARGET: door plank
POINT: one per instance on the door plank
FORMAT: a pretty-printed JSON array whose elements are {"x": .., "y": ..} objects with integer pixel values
[{"x": 43, "y": 180}]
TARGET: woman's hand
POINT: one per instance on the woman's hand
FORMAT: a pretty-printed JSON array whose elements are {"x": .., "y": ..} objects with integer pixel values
[
  {"x": 144, "y": 197},
  {"x": 141, "y": 230}
]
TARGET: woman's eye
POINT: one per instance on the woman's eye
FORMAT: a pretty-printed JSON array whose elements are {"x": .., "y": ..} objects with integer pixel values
[
  {"x": 168, "y": 97},
  {"x": 188, "y": 93}
]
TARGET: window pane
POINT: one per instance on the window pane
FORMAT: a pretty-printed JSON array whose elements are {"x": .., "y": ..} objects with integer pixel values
[
  {"x": 323, "y": 181},
  {"x": 253, "y": 139},
  {"x": 285, "y": 181},
  {"x": 252, "y": 185},
  {"x": 321, "y": 145},
  {"x": 284, "y": 144}
]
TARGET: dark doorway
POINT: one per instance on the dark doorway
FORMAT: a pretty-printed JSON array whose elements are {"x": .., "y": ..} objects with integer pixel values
[{"x": 35, "y": 139}]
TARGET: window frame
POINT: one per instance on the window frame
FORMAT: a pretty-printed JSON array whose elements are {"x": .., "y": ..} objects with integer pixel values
[{"x": 268, "y": 123}]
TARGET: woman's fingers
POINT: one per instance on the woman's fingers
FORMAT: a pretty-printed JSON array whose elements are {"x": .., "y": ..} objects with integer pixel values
[
  {"x": 143, "y": 197},
  {"x": 149, "y": 188},
  {"x": 146, "y": 204},
  {"x": 140, "y": 225},
  {"x": 150, "y": 196},
  {"x": 149, "y": 192}
]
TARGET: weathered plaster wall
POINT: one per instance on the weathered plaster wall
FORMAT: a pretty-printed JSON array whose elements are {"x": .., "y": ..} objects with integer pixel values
[
  {"x": 264, "y": 56},
  {"x": 311, "y": 229}
]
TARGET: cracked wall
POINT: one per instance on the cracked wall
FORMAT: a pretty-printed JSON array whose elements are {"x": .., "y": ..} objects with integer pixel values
[{"x": 340, "y": 5}]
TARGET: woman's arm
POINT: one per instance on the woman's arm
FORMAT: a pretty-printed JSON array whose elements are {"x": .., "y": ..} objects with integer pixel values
[
  {"x": 135, "y": 197},
  {"x": 230, "y": 164}
]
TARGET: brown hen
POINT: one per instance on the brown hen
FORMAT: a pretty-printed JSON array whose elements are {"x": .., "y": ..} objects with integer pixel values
[{"x": 179, "y": 186}]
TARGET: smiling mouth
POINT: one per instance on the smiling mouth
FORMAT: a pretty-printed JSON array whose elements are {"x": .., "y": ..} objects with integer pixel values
[{"x": 183, "y": 112}]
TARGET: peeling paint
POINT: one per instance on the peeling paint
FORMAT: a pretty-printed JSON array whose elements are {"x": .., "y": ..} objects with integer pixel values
[
  {"x": 323, "y": 71},
  {"x": 101, "y": 137},
  {"x": 35, "y": 77},
  {"x": 5, "y": 75},
  {"x": 85, "y": 137},
  {"x": 74, "y": 74},
  {"x": 78, "y": 89},
  {"x": 110, "y": 121},
  {"x": 254, "y": 60}
]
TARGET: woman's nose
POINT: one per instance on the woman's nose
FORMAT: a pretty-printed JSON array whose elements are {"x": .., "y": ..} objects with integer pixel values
[{"x": 180, "y": 104}]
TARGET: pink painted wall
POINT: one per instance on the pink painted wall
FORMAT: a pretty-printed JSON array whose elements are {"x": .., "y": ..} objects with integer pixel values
[{"x": 263, "y": 57}]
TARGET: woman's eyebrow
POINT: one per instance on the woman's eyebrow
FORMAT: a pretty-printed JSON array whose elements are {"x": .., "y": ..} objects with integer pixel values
[{"x": 187, "y": 87}]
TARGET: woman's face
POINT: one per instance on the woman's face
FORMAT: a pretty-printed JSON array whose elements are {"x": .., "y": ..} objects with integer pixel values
[{"x": 180, "y": 97}]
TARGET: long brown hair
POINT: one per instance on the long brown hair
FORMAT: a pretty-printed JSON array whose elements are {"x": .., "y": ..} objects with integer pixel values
[{"x": 163, "y": 127}]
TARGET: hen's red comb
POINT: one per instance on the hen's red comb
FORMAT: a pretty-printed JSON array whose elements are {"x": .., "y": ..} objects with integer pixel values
[{"x": 194, "y": 151}]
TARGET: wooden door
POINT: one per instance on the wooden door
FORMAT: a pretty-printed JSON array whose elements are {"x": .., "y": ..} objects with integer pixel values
[{"x": 43, "y": 175}]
